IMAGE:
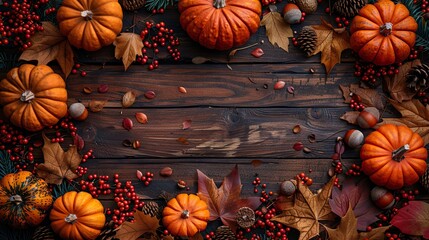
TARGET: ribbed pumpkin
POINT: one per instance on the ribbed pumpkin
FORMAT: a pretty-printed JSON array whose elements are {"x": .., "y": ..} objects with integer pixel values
[
  {"x": 393, "y": 156},
  {"x": 77, "y": 216},
  {"x": 383, "y": 33},
  {"x": 24, "y": 199},
  {"x": 90, "y": 24},
  {"x": 220, "y": 24},
  {"x": 185, "y": 215},
  {"x": 33, "y": 97}
]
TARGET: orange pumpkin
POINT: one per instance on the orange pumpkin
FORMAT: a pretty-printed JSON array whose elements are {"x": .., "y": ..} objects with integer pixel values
[
  {"x": 185, "y": 215},
  {"x": 383, "y": 33},
  {"x": 24, "y": 199},
  {"x": 393, "y": 156},
  {"x": 77, "y": 216},
  {"x": 220, "y": 24},
  {"x": 33, "y": 97},
  {"x": 90, "y": 24}
]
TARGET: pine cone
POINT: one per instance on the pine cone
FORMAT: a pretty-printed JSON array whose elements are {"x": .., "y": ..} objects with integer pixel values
[
  {"x": 424, "y": 180},
  {"x": 245, "y": 217},
  {"x": 43, "y": 233},
  {"x": 224, "y": 233},
  {"x": 152, "y": 208},
  {"x": 307, "y": 40},
  {"x": 108, "y": 232},
  {"x": 348, "y": 8},
  {"x": 418, "y": 78},
  {"x": 132, "y": 5}
]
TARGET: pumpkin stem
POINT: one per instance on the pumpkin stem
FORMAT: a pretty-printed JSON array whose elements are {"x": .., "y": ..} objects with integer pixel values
[
  {"x": 219, "y": 3},
  {"x": 398, "y": 154},
  {"x": 17, "y": 199},
  {"x": 185, "y": 214},
  {"x": 71, "y": 218},
  {"x": 27, "y": 96},
  {"x": 87, "y": 14},
  {"x": 386, "y": 29}
]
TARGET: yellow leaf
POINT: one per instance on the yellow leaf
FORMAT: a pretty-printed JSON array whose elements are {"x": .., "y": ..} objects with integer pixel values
[
  {"x": 128, "y": 46},
  {"x": 50, "y": 45},
  {"x": 330, "y": 42},
  {"x": 143, "y": 224},
  {"x": 278, "y": 31}
]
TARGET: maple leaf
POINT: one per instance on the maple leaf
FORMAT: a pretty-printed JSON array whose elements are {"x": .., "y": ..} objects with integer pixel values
[
  {"x": 308, "y": 210},
  {"x": 127, "y": 47},
  {"x": 350, "y": 117},
  {"x": 397, "y": 85},
  {"x": 278, "y": 31},
  {"x": 347, "y": 230},
  {"x": 57, "y": 163},
  {"x": 413, "y": 219},
  {"x": 414, "y": 115},
  {"x": 143, "y": 224},
  {"x": 50, "y": 45},
  {"x": 330, "y": 42},
  {"x": 369, "y": 97},
  {"x": 224, "y": 202},
  {"x": 355, "y": 195}
]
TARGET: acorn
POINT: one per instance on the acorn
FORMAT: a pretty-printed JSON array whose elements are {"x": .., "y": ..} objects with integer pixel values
[
  {"x": 291, "y": 13},
  {"x": 287, "y": 188},
  {"x": 368, "y": 118},
  {"x": 78, "y": 111},
  {"x": 354, "y": 138},
  {"x": 382, "y": 198},
  {"x": 307, "y": 6}
]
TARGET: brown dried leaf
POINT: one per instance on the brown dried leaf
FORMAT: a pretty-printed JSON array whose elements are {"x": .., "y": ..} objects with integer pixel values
[
  {"x": 331, "y": 42},
  {"x": 370, "y": 97},
  {"x": 200, "y": 60},
  {"x": 350, "y": 117},
  {"x": 296, "y": 129},
  {"x": 128, "y": 46},
  {"x": 414, "y": 115},
  {"x": 128, "y": 99},
  {"x": 141, "y": 117},
  {"x": 57, "y": 163},
  {"x": 279, "y": 85},
  {"x": 182, "y": 89},
  {"x": 257, "y": 52},
  {"x": 308, "y": 210},
  {"x": 87, "y": 90},
  {"x": 78, "y": 141},
  {"x": 277, "y": 30},
  {"x": 143, "y": 224},
  {"x": 50, "y": 45},
  {"x": 96, "y": 105},
  {"x": 346, "y": 93},
  {"x": 127, "y": 123},
  {"x": 166, "y": 171},
  {"x": 186, "y": 124},
  {"x": 397, "y": 85}
]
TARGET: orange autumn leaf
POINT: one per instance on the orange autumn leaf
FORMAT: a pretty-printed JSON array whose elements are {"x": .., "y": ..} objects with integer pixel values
[
  {"x": 127, "y": 47},
  {"x": 277, "y": 30},
  {"x": 143, "y": 224}
]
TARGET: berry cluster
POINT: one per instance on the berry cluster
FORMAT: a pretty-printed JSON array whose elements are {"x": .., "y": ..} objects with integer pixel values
[
  {"x": 19, "y": 21},
  {"x": 354, "y": 170},
  {"x": 147, "y": 178},
  {"x": 158, "y": 11},
  {"x": 96, "y": 185},
  {"x": 304, "y": 179},
  {"x": 342, "y": 22},
  {"x": 424, "y": 5},
  {"x": 76, "y": 69},
  {"x": 256, "y": 183},
  {"x": 16, "y": 145},
  {"x": 356, "y": 102},
  {"x": 268, "y": 2},
  {"x": 154, "y": 36}
]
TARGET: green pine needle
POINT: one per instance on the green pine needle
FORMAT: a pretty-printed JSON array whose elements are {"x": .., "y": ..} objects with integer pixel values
[
  {"x": 8, "y": 58},
  {"x": 158, "y": 4},
  {"x": 61, "y": 189},
  {"x": 6, "y": 165}
]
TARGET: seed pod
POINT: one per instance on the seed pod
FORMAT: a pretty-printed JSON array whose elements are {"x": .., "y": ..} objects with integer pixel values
[
  {"x": 307, "y": 6},
  {"x": 291, "y": 13},
  {"x": 78, "y": 111},
  {"x": 382, "y": 198},
  {"x": 354, "y": 138},
  {"x": 287, "y": 188},
  {"x": 368, "y": 118}
]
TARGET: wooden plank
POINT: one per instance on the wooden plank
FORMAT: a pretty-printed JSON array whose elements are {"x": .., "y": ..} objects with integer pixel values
[
  {"x": 215, "y": 132},
  {"x": 214, "y": 85}
]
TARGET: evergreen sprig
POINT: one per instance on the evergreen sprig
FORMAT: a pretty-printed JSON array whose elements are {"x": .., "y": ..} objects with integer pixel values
[
  {"x": 8, "y": 57},
  {"x": 158, "y": 4},
  {"x": 6, "y": 165},
  {"x": 423, "y": 29},
  {"x": 61, "y": 189}
]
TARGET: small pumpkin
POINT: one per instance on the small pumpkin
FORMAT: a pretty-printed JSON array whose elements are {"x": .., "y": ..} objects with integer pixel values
[
  {"x": 24, "y": 199},
  {"x": 185, "y": 215},
  {"x": 220, "y": 24},
  {"x": 90, "y": 24},
  {"x": 393, "y": 156},
  {"x": 383, "y": 33},
  {"x": 33, "y": 97},
  {"x": 77, "y": 216}
]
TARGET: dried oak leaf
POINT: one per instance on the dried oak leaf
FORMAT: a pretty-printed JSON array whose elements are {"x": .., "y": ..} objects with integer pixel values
[
  {"x": 369, "y": 97},
  {"x": 224, "y": 202},
  {"x": 127, "y": 47},
  {"x": 57, "y": 163},
  {"x": 356, "y": 195},
  {"x": 397, "y": 85},
  {"x": 414, "y": 115},
  {"x": 50, "y": 45},
  {"x": 330, "y": 42},
  {"x": 308, "y": 210},
  {"x": 350, "y": 117},
  {"x": 278, "y": 31},
  {"x": 143, "y": 224},
  {"x": 347, "y": 229},
  {"x": 413, "y": 219},
  {"x": 96, "y": 105}
]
